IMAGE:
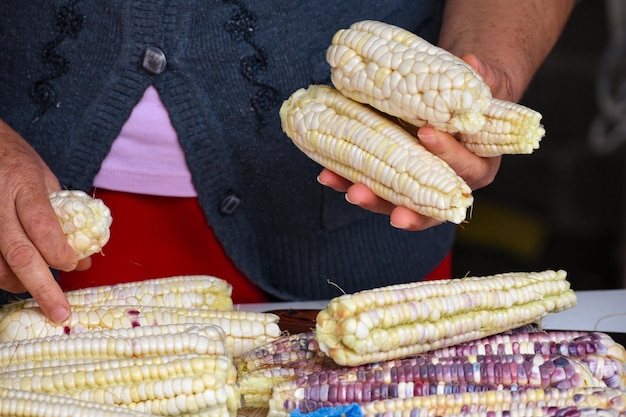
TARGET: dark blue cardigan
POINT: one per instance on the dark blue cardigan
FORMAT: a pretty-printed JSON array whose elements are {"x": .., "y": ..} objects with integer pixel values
[{"x": 70, "y": 74}]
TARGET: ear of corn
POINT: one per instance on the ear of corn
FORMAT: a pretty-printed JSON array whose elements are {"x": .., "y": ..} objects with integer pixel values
[
  {"x": 85, "y": 220},
  {"x": 284, "y": 359},
  {"x": 598, "y": 351},
  {"x": 363, "y": 146},
  {"x": 509, "y": 129},
  {"x": 527, "y": 402},
  {"x": 151, "y": 386},
  {"x": 294, "y": 350},
  {"x": 113, "y": 344},
  {"x": 407, "y": 319},
  {"x": 19, "y": 403},
  {"x": 244, "y": 330},
  {"x": 401, "y": 74},
  {"x": 184, "y": 291},
  {"x": 428, "y": 375}
]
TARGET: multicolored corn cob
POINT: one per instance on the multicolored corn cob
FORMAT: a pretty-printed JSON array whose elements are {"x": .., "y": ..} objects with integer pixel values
[
  {"x": 610, "y": 401},
  {"x": 605, "y": 358},
  {"x": 284, "y": 359},
  {"x": 428, "y": 375}
]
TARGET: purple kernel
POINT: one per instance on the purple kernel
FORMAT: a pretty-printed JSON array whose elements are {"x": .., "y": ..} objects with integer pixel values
[
  {"x": 570, "y": 370},
  {"x": 432, "y": 388},
  {"x": 313, "y": 393},
  {"x": 333, "y": 378},
  {"x": 562, "y": 384},
  {"x": 332, "y": 393},
  {"x": 289, "y": 405},
  {"x": 561, "y": 361},
  {"x": 341, "y": 394},
  {"x": 614, "y": 381},
  {"x": 384, "y": 391},
  {"x": 358, "y": 392},
  {"x": 366, "y": 393},
  {"x": 376, "y": 392},
  {"x": 314, "y": 379},
  {"x": 323, "y": 395},
  {"x": 393, "y": 390}
]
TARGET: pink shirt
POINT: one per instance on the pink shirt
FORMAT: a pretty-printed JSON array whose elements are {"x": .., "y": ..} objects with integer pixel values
[{"x": 146, "y": 157}]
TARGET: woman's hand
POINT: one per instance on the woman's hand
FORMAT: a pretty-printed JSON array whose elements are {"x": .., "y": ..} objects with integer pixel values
[
  {"x": 476, "y": 171},
  {"x": 31, "y": 238}
]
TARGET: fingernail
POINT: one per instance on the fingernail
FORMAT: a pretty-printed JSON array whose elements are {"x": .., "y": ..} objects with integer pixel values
[
  {"x": 320, "y": 181},
  {"x": 426, "y": 137},
  {"x": 398, "y": 226},
  {"x": 348, "y": 200},
  {"x": 59, "y": 314}
]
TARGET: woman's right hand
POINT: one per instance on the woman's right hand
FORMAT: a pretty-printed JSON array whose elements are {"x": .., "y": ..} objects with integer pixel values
[{"x": 31, "y": 238}]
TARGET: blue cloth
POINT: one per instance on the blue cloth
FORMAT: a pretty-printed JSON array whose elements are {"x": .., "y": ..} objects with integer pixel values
[
  {"x": 71, "y": 72},
  {"x": 352, "y": 410}
]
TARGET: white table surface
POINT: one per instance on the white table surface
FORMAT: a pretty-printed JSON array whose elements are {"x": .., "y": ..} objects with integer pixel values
[{"x": 601, "y": 310}]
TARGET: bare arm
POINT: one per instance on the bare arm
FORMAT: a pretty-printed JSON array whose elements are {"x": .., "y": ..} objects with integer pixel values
[{"x": 512, "y": 37}]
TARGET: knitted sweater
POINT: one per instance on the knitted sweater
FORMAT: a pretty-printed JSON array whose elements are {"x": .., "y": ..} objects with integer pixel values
[{"x": 71, "y": 72}]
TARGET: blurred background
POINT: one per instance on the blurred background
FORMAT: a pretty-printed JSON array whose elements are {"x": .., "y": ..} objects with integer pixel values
[{"x": 563, "y": 207}]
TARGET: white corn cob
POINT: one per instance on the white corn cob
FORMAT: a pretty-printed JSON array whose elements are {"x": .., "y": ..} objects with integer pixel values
[
  {"x": 244, "y": 330},
  {"x": 112, "y": 344},
  {"x": 176, "y": 384},
  {"x": 85, "y": 220},
  {"x": 18, "y": 403},
  {"x": 408, "y": 319},
  {"x": 363, "y": 146},
  {"x": 509, "y": 129},
  {"x": 185, "y": 291},
  {"x": 403, "y": 75}
]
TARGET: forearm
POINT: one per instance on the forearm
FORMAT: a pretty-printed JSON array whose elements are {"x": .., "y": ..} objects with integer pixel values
[{"x": 512, "y": 36}]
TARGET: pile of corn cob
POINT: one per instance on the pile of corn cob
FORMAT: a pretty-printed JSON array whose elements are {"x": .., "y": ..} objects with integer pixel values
[
  {"x": 467, "y": 347},
  {"x": 164, "y": 346},
  {"x": 526, "y": 373},
  {"x": 133, "y": 346},
  {"x": 402, "y": 76}
]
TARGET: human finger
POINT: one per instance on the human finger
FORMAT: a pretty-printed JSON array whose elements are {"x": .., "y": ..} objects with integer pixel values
[
  {"x": 476, "y": 171},
  {"x": 333, "y": 180}
]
